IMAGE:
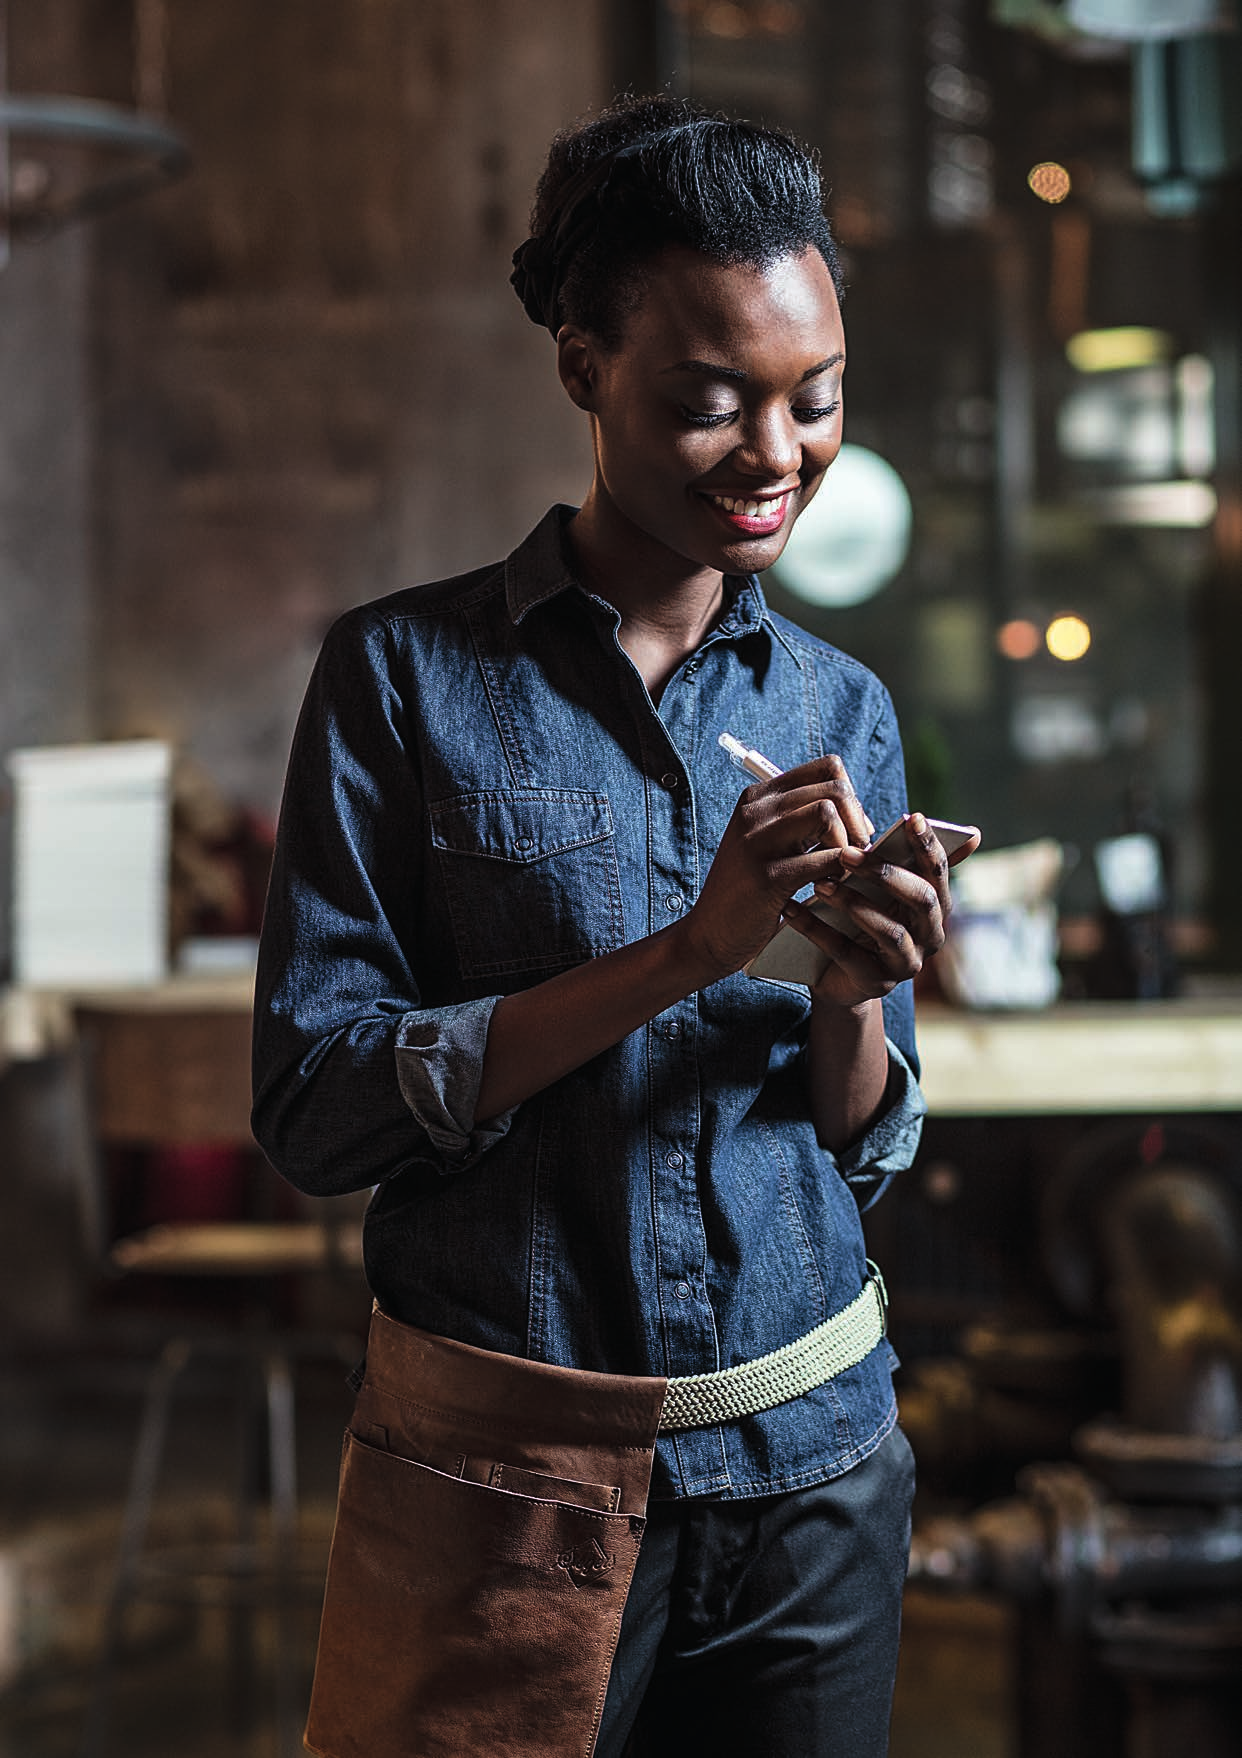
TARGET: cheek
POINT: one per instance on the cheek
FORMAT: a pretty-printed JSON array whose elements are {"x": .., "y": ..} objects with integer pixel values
[
  {"x": 669, "y": 463},
  {"x": 700, "y": 452},
  {"x": 817, "y": 456}
]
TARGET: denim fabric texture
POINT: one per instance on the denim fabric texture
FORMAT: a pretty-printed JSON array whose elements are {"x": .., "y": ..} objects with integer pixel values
[{"x": 480, "y": 794}]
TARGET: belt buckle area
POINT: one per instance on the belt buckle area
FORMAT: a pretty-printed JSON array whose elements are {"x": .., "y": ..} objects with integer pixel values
[{"x": 881, "y": 1288}]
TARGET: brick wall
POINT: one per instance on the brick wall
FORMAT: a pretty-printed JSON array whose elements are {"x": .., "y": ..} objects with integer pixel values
[
  {"x": 314, "y": 383},
  {"x": 293, "y": 381}
]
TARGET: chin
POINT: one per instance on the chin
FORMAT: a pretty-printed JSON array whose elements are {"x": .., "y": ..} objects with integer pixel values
[{"x": 754, "y": 556}]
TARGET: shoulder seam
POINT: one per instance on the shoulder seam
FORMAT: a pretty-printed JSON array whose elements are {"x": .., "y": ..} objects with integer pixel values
[{"x": 472, "y": 588}]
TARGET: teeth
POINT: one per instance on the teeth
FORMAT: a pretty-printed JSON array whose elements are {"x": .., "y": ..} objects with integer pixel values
[{"x": 749, "y": 509}]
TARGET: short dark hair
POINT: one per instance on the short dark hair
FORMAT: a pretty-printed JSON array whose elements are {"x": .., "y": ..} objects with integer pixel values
[{"x": 647, "y": 173}]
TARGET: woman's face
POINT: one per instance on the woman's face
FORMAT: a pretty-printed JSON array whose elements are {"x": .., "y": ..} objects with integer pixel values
[{"x": 719, "y": 412}]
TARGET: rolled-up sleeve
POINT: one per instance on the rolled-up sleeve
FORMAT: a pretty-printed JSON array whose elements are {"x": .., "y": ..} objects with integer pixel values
[
  {"x": 439, "y": 1060},
  {"x": 888, "y": 1146},
  {"x": 355, "y": 1077}
]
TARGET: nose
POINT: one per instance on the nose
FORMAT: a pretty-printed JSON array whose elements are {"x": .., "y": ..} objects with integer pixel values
[{"x": 770, "y": 446}]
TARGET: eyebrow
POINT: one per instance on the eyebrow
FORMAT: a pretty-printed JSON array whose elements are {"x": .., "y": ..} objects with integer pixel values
[{"x": 711, "y": 369}]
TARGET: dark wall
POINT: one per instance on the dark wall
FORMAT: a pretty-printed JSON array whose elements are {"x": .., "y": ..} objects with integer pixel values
[
  {"x": 296, "y": 379},
  {"x": 46, "y": 679}
]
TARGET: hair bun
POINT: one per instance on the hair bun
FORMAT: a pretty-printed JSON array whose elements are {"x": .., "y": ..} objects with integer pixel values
[
  {"x": 540, "y": 265},
  {"x": 534, "y": 280}
]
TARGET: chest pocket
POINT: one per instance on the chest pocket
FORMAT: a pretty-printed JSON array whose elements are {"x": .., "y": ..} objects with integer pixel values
[{"x": 531, "y": 878}]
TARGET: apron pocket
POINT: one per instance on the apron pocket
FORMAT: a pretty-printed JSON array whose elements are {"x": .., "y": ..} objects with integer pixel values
[{"x": 462, "y": 1618}]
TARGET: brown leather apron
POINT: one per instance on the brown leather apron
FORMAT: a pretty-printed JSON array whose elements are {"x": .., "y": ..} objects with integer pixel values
[{"x": 488, "y": 1523}]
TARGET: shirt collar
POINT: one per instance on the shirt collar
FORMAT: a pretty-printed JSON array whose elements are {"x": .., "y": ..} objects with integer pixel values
[{"x": 541, "y": 567}]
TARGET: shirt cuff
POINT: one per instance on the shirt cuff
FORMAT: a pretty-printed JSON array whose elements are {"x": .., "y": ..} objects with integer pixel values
[
  {"x": 439, "y": 1065},
  {"x": 889, "y": 1145}
]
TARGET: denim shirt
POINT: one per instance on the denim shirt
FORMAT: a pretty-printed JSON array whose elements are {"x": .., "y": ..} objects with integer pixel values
[{"x": 481, "y": 793}]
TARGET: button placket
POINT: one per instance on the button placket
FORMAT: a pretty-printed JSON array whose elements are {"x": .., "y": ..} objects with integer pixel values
[{"x": 687, "y": 1339}]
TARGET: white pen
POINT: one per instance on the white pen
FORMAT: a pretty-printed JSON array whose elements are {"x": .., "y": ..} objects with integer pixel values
[
  {"x": 761, "y": 767},
  {"x": 753, "y": 762}
]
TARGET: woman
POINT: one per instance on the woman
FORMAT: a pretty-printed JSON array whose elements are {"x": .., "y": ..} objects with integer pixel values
[{"x": 502, "y": 980}]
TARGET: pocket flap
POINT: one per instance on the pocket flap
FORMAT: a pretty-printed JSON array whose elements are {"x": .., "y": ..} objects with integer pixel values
[{"x": 520, "y": 824}]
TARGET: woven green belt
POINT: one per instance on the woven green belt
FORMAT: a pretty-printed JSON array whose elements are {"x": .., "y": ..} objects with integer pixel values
[{"x": 700, "y": 1400}]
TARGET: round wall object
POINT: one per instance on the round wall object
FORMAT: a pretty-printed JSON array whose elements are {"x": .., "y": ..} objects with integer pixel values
[{"x": 853, "y": 538}]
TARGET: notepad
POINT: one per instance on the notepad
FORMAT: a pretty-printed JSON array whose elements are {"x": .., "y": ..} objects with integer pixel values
[{"x": 789, "y": 957}]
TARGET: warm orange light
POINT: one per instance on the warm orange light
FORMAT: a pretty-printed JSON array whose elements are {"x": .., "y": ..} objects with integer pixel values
[
  {"x": 726, "y": 20},
  {"x": 734, "y": 20},
  {"x": 1018, "y": 639},
  {"x": 1049, "y": 181},
  {"x": 1067, "y": 637}
]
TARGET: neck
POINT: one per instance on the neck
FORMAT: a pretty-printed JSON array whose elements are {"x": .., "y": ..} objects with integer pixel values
[{"x": 668, "y": 605}]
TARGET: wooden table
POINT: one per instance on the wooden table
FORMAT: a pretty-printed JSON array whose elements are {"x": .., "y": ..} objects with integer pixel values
[{"x": 1084, "y": 1058}]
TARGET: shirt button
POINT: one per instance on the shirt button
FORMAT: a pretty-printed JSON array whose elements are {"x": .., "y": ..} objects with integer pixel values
[
  {"x": 671, "y": 781},
  {"x": 674, "y": 1159},
  {"x": 672, "y": 1028},
  {"x": 674, "y": 904},
  {"x": 683, "y": 1290},
  {"x": 524, "y": 842}
]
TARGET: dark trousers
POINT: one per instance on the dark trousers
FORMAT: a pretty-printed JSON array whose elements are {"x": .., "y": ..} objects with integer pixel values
[{"x": 768, "y": 1628}]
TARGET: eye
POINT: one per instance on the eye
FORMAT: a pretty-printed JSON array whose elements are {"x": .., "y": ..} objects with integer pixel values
[
  {"x": 817, "y": 412},
  {"x": 707, "y": 417}
]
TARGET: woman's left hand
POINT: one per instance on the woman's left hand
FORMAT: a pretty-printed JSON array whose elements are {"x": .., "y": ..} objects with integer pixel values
[{"x": 901, "y": 922}]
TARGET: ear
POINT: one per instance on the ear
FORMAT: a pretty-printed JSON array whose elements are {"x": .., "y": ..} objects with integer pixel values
[{"x": 577, "y": 364}]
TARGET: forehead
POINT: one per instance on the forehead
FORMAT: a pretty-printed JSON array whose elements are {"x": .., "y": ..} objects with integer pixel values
[{"x": 694, "y": 308}]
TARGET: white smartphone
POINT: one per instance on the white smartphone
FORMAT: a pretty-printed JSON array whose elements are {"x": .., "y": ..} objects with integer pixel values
[{"x": 789, "y": 957}]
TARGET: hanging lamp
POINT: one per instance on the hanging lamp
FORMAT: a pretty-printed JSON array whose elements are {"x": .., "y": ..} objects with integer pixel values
[{"x": 67, "y": 159}]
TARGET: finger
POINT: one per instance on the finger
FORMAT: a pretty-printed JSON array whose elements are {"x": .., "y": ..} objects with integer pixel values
[
  {"x": 880, "y": 879},
  {"x": 858, "y": 960},
  {"x": 930, "y": 859},
  {"x": 845, "y": 824},
  {"x": 856, "y": 821},
  {"x": 899, "y": 913},
  {"x": 815, "y": 866},
  {"x": 831, "y": 770},
  {"x": 797, "y": 824}
]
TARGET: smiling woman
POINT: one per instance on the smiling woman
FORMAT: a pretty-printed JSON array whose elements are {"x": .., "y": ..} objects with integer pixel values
[
  {"x": 624, "y": 1463},
  {"x": 713, "y": 423}
]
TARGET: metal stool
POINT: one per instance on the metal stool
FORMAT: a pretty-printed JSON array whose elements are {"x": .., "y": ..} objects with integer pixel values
[{"x": 153, "y": 1077}]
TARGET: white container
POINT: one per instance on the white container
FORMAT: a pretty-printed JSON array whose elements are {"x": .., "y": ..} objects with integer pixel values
[{"x": 92, "y": 840}]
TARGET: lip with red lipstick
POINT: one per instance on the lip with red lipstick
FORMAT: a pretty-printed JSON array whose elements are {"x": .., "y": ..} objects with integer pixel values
[{"x": 753, "y": 515}]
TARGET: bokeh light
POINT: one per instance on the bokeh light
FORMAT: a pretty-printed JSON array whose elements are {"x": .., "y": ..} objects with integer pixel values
[
  {"x": 1018, "y": 639},
  {"x": 1122, "y": 349},
  {"x": 1049, "y": 181},
  {"x": 1067, "y": 637}
]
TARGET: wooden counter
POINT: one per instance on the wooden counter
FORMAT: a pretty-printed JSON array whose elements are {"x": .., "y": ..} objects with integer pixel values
[
  {"x": 1083, "y": 1058},
  {"x": 39, "y": 1022}
]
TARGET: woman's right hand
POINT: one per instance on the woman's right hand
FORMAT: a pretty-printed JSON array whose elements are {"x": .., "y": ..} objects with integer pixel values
[{"x": 784, "y": 834}]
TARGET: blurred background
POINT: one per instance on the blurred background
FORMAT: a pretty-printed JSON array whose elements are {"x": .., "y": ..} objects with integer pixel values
[
  {"x": 297, "y": 377},
  {"x": 259, "y": 361}
]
